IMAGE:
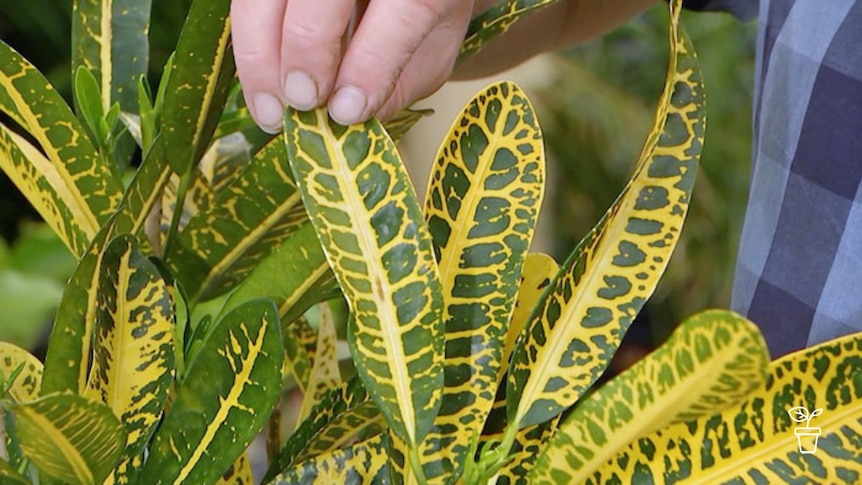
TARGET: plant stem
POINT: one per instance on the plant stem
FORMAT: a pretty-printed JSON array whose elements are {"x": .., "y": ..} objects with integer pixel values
[{"x": 416, "y": 466}]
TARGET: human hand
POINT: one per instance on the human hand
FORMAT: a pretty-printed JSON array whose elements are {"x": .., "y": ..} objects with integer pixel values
[{"x": 290, "y": 52}]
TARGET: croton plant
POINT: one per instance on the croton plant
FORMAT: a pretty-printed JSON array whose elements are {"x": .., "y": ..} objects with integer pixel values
[{"x": 200, "y": 297}]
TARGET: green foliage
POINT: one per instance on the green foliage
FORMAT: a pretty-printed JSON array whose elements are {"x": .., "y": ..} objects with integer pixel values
[{"x": 195, "y": 302}]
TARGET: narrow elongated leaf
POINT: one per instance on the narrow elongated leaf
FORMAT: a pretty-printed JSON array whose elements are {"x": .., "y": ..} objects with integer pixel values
[
  {"x": 29, "y": 378},
  {"x": 756, "y": 441},
  {"x": 70, "y": 438},
  {"x": 67, "y": 361},
  {"x": 109, "y": 37},
  {"x": 539, "y": 270},
  {"x": 403, "y": 121},
  {"x": 40, "y": 183},
  {"x": 616, "y": 267},
  {"x": 229, "y": 391},
  {"x": 244, "y": 224},
  {"x": 338, "y": 402},
  {"x": 361, "y": 463},
  {"x": 496, "y": 21},
  {"x": 364, "y": 209},
  {"x": 295, "y": 276},
  {"x": 354, "y": 425},
  {"x": 133, "y": 361},
  {"x": 200, "y": 81},
  {"x": 712, "y": 361},
  {"x": 28, "y": 98},
  {"x": 324, "y": 375},
  {"x": 297, "y": 362},
  {"x": 484, "y": 195}
]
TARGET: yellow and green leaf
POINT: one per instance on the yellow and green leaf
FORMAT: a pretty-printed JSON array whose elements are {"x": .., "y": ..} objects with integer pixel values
[
  {"x": 239, "y": 473},
  {"x": 40, "y": 183},
  {"x": 324, "y": 375},
  {"x": 143, "y": 193},
  {"x": 229, "y": 390},
  {"x": 10, "y": 476},
  {"x": 484, "y": 195},
  {"x": 363, "y": 462},
  {"x": 70, "y": 344},
  {"x": 712, "y": 361},
  {"x": 27, "y": 370},
  {"x": 245, "y": 223},
  {"x": 335, "y": 404},
  {"x": 109, "y": 37},
  {"x": 539, "y": 270},
  {"x": 362, "y": 204},
  {"x": 496, "y": 21},
  {"x": 297, "y": 362},
  {"x": 133, "y": 360},
  {"x": 403, "y": 121},
  {"x": 70, "y": 438},
  {"x": 757, "y": 441},
  {"x": 295, "y": 276},
  {"x": 91, "y": 185},
  {"x": 615, "y": 268},
  {"x": 200, "y": 81}
]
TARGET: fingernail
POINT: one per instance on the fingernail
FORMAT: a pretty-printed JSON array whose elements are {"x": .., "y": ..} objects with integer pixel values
[
  {"x": 348, "y": 105},
  {"x": 300, "y": 91},
  {"x": 268, "y": 111}
]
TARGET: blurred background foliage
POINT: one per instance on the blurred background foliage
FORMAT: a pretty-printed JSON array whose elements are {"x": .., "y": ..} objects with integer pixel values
[{"x": 595, "y": 117}]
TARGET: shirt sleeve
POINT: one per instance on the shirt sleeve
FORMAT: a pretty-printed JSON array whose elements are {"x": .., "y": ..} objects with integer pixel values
[{"x": 742, "y": 9}]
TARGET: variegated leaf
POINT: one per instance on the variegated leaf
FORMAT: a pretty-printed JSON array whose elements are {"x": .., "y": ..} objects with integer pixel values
[
  {"x": 403, "y": 121},
  {"x": 109, "y": 37},
  {"x": 143, "y": 194},
  {"x": 295, "y": 276},
  {"x": 496, "y": 21},
  {"x": 324, "y": 375},
  {"x": 70, "y": 345},
  {"x": 756, "y": 441},
  {"x": 336, "y": 403},
  {"x": 361, "y": 463},
  {"x": 26, "y": 96},
  {"x": 239, "y": 473},
  {"x": 712, "y": 361},
  {"x": 70, "y": 438},
  {"x": 484, "y": 196},
  {"x": 368, "y": 220},
  {"x": 133, "y": 361},
  {"x": 539, "y": 270},
  {"x": 26, "y": 386},
  {"x": 244, "y": 224},
  {"x": 10, "y": 476},
  {"x": 228, "y": 393},
  {"x": 616, "y": 267},
  {"x": 200, "y": 81},
  {"x": 297, "y": 361},
  {"x": 357, "y": 424},
  {"x": 41, "y": 184}
]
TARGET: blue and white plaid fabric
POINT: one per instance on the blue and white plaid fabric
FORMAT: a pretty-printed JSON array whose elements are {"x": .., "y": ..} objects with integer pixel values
[{"x": 799, "y": 267}]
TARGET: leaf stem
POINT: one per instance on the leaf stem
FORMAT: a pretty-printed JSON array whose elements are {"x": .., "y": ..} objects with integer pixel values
[
  {"x": 416, "y": 466},
  {"x": 179, "y": 204}
]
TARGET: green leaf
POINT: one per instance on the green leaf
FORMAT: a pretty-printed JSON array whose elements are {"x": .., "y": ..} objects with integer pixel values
[
  {"x": 246, "y": 221},
  {"x": 200, "y": 80},
  {"x": 40, "y": 182},
  {"x": 361, "y": 463},
  {"x": 239, "y": 473},
  {"x": 336, "y": 404},
  {"x": 496, "y": 21},
  {"x": 616, "y": 267},
  {"x": 230, "y": 389},
  {"x": 70, "y": 438},
  {"x": 324, "y": 374},
  {"x": 368, "y": 220},
  {"x": 484, "y": 195},
  {"x": 89, "y": 104},
  {"x": 757, "y": 441},
  {"x": 25, "y": 387},
  {"x": 403, "y": 121},
  {"x": 70, "y": 344},
  {"x": 712, "y": 361},
  {"x": 10, "y": 476},
  {"x": 295, "y": 276},
  {"x": 27, "y": 97},
  {"x": 144, "y": 191},
  {"x": 109, "y": 39},
  {"x": 133, "y": 361}
]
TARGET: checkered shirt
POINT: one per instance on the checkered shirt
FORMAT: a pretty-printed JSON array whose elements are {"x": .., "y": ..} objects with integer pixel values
[{"x": 799, "y": 267}]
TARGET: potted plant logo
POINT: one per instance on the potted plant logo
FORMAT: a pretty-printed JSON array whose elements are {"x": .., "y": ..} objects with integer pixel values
[{"x": 806, "y": 436}]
